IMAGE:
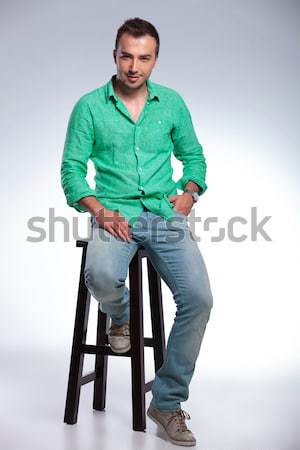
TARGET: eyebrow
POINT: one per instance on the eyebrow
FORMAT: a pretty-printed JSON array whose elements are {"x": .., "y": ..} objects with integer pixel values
[{"x": 129, "y": 54}]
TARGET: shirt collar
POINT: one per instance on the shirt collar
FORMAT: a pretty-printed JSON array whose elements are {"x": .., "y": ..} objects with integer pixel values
[{"x": 109, "y": 91}]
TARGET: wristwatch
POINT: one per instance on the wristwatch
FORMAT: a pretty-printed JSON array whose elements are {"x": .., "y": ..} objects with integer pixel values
[{"x": 194, "y": 194}]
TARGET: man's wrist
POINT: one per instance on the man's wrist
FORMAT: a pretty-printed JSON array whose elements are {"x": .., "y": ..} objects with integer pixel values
[
  {"x": 192, "y": 193},
  {"x": 192, "y": 186},
  {"x": 91, "y": 204}
]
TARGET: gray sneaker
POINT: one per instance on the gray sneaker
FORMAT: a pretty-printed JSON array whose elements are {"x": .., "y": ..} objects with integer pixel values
[
  {"x": 119, "y": 337},
  {"x": 173, "y": 422}
]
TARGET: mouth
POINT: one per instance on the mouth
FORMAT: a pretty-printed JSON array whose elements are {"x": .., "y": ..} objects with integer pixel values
[{"x": 133, "y": 77}]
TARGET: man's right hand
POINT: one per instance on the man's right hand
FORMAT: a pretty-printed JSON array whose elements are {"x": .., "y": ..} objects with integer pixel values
[{"x": 114, "y": 222}]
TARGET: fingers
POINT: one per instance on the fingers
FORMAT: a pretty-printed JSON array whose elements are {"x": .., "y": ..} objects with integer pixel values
[
  {"x": 112, "y": 231},
  {"x": 116, "y": 224},
  {"x": 117, "y": 231},
  {"x": 126, "y": 232},
  {"x": 122, "y": 228}
]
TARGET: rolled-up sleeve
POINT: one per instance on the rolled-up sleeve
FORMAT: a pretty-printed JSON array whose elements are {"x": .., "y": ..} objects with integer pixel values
[
  {"x": 187, "y": 148},
  {"x": 78, "y": 147}
]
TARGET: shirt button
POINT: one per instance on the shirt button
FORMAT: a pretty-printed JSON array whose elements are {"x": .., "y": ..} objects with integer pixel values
[
  {"x": 159, "y": 121},
  {"x": 137, "y": 148},
  {"x": 140, "y": 169},
  {"x": 141, "y": 187}
]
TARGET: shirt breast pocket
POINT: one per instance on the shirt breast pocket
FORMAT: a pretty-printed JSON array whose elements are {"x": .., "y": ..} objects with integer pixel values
[{"x": 157, "y": 136}]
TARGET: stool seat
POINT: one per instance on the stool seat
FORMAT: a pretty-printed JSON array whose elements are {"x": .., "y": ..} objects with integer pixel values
[{"x": 102, "y": 348}]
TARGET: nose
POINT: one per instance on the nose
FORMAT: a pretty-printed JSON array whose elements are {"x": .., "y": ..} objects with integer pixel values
[{"x": 133, "y": 66}]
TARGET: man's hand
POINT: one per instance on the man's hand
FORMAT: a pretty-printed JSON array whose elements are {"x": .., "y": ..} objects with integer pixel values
[
  {"x": 114, "y": 222},
  {"x": 183, "y": 203}
]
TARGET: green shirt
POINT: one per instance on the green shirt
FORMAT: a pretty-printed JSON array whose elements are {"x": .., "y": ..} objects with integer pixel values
[{"x": 132, "y": 160}]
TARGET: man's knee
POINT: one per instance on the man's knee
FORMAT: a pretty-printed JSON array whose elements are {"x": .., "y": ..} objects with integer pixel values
[
  {"x": 201, "y": 301},
  {"x": 103, "y": 284}
]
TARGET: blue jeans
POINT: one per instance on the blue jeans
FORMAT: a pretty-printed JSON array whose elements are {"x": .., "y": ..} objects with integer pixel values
[{"x": 175, "y": 255}]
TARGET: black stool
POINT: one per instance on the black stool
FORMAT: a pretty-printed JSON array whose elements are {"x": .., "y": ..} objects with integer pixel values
[{"x": 102, "y": 348}]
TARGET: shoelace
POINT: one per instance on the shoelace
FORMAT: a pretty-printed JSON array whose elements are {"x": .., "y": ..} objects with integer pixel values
[
  {"x": 179, "y": 417},
  {"x": 119, "y": 330}
]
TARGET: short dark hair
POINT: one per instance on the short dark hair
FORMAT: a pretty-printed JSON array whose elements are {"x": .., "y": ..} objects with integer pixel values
[{"x": 138, "y": 27}]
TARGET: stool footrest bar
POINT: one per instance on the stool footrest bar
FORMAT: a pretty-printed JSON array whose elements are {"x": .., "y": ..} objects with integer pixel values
[
  {"x": 87, "y": 378},
  {"x": 148, "y": 386}
]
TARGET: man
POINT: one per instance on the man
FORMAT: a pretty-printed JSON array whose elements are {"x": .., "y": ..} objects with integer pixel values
[{"x": 129, "y": 128}]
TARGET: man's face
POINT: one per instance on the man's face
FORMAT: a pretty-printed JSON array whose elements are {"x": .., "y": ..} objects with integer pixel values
[{"x": 135, "y": 59}]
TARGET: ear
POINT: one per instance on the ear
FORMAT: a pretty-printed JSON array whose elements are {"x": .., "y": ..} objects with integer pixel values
[{"x": 114, "y": 55}]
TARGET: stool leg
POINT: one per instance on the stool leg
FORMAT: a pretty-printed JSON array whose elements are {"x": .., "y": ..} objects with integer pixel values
[
  {"x": 77, "y": 357},
  {"x": 157, "y": 318},
  {"x": 137, "y": 344},
  {"x": 101, "y": 363}
]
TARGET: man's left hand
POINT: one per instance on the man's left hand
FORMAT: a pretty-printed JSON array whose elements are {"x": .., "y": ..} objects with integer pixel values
[{"x": 183, "y": 203}]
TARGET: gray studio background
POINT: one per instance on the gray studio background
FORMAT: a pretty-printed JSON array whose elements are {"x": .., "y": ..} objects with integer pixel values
[{"x": 236, "y": 63}]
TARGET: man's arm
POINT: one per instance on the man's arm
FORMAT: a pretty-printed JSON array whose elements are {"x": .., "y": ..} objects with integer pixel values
[
  {"x": 188, "y": 150},
  {"x": 77, "y": 150}
]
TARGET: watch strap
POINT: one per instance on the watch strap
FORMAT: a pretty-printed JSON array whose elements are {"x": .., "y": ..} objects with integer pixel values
[{"x": 193, "y": 193}]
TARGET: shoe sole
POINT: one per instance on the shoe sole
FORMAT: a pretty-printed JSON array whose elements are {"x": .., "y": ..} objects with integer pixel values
[
  {"x": 123, "y": 350},
  {"x": 174, "y": 441}
]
